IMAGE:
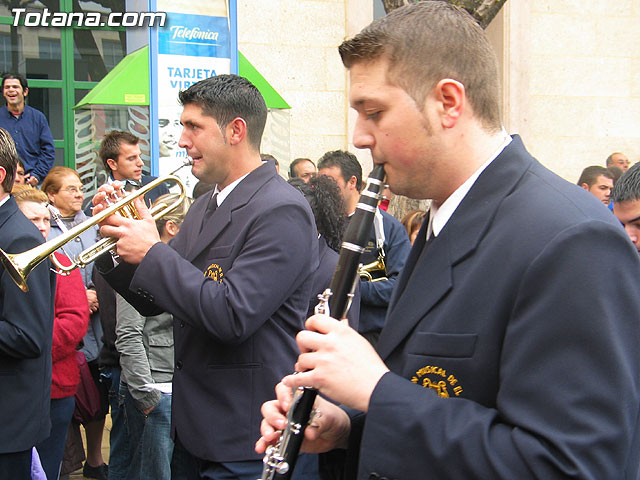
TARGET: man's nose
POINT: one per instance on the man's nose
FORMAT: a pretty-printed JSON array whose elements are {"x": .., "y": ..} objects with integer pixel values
[
  {"x": 184, "y": 142},
  {"x": 361, "y": 138}
]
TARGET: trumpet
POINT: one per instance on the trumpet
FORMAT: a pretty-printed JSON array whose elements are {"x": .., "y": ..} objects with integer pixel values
[
  {"x": 375, "y": 271},
  {"x": 19, "y": 265}
]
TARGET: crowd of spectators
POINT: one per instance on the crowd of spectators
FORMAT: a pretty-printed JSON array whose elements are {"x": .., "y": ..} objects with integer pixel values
[{"x": 82, "y": 324}]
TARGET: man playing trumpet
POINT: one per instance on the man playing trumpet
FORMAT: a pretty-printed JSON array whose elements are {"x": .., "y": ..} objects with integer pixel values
[{"x": 237, "y": 278}]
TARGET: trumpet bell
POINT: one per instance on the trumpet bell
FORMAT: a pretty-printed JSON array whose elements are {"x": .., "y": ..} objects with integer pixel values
[
  {"x": 18, "y": 266},
  {"x": 16, "y": 273}
]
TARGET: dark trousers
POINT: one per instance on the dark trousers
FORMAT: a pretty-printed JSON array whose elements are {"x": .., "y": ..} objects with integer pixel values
[
  {"x": 187, "y": 467},
  {"x": 16, "y": 466},
  {"x": 51, "y": 450}
]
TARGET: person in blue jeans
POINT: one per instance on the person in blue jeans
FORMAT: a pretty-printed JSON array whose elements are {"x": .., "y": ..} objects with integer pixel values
[{"x": 146, "y": 357}]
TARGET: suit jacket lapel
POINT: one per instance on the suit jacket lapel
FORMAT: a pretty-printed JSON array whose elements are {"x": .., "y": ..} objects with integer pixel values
[
  {"x": 7, "y": 210},
  {"x": 429, "y": 278},
  {"x": 414, "y": 253}
]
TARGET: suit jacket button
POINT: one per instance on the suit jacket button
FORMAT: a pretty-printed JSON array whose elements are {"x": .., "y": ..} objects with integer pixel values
[
  {"x": 374, "y": 476},
  {"x": 181, "y": 323},
  {"x": 179, "y": 364}
]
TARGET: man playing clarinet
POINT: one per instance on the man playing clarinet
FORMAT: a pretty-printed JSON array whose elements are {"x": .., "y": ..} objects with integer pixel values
[{"x": 506, "y": 354}]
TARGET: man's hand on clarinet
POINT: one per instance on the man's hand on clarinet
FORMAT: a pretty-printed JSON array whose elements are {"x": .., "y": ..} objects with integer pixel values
[
  {"x": 329, "y": 427},
  {"x": 337, "y": 361}
]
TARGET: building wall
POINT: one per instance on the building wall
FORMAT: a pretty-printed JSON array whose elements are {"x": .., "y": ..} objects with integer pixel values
[
  {"x": 293, "y": 43},
  {"x": 572, "y": 77},
  {"x": 571, "y": 73}
]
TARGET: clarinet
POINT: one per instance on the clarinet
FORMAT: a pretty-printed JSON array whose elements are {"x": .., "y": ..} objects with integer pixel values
[{"x": 280, "y": 459}]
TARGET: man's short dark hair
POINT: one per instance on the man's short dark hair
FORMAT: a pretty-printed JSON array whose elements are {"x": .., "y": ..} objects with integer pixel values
[
  {"x": 8, "y": 159},
  {"x": 201, "y": 188},
  {"x": 110, "y": 146},
  {"x": 590, "y": 175},
  {"x": 225, "y": 97},
  {"x": 292, "y": 170},
  {"x": 627, "y": 188},
  {"x": 425, "y": 42},
  {"x": 17, "y": 76},
  {"x": 346, "y": 161},
  {"x": 267, "y": 156}
]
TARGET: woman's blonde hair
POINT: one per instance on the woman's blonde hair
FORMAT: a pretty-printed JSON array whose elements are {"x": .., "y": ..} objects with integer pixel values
[
  {"x": 26, "y": 193},
  {"x": 177, "y": 215}
]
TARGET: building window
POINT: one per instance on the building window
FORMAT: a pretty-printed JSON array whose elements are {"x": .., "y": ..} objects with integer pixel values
[
  {"x": 49, "y": 48},
  {"x": 5, "y": 52},
  {"x": 112, "y": 53}
]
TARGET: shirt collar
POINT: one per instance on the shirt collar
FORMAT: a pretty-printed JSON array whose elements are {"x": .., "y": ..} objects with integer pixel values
[
  {"x": 224, "y": 193},
  {"x": 125, "y": 182},
  {"x": 5, "y": 199},
  {"x": 439, "y": 216}
]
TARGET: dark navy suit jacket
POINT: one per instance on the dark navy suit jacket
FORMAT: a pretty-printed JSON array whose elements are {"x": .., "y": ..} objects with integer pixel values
[
  {"x": 26, "y": 329},
  {"x": 512, "y": 342},
  {"x": 238, "y": 291}
]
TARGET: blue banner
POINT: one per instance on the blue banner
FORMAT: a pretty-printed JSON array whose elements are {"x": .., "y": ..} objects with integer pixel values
[{"x": 195, "y": 35}]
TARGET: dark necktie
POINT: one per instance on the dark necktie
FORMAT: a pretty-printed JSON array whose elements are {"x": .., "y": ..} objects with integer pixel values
[{"x": 211, "y": 207}]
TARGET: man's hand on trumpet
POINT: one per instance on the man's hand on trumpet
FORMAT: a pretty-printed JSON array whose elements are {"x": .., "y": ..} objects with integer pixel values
[{"x": 135, "y": 237}]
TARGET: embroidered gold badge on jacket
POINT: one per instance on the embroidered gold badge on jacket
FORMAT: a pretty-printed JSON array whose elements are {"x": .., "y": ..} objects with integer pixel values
[
  {"x": 214, "y": 272},
  {"x": 436, "y": 378}
]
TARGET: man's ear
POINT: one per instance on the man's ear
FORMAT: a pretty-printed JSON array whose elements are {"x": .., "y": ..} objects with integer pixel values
[
  {"x": 113, "y": 165},
  {"x": 236, "y": 131},
  {"x": 352, "y": 183},
  {"x": 3, "y": 175},
  {"x": 25, "y": 92},
  {"x": 451, "y": 97},
  {"x": 585, "y": 186}
]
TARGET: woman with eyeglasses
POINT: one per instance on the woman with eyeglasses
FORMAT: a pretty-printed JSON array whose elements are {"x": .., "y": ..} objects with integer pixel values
[
  {"x": 65, "y": 192},
  {"x": 71, "y": 316}
]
